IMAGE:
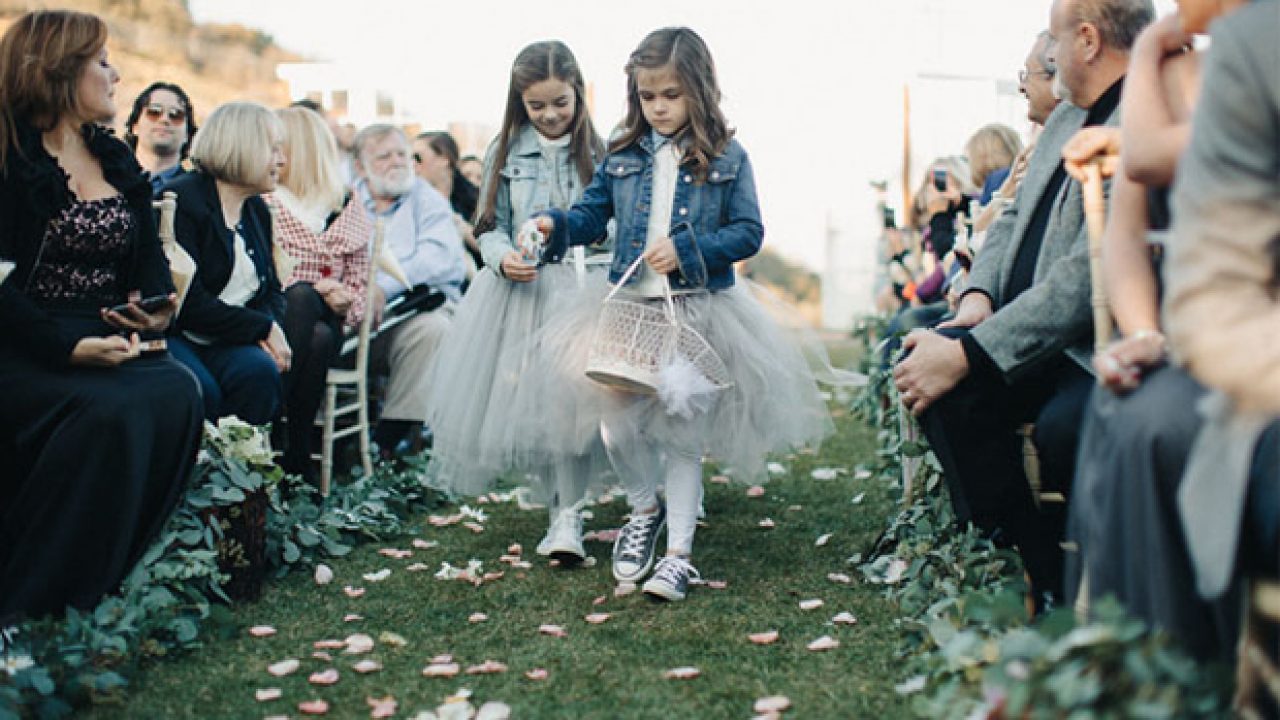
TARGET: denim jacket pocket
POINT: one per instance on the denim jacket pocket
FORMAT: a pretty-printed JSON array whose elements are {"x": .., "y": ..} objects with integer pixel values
[
  {"x": 720, "y": 178},
  {"x": 526, "y": 192}
]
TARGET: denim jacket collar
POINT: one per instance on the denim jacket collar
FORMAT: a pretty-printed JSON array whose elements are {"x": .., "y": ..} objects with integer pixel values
[{"x": 526, "y": 144}]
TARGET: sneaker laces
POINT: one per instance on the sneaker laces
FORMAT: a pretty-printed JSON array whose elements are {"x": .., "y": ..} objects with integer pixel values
[
  {"x": 671, "y": 567},
  {"x": 633, "y": 535},
  {"x": 571, "y": 514}
]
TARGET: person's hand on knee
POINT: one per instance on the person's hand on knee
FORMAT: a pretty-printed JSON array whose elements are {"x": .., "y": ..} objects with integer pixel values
[{"x": 934, "y": 366}]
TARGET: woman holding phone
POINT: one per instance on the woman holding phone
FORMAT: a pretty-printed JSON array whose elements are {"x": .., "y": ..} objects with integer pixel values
[{"x": 97, "y": 435}]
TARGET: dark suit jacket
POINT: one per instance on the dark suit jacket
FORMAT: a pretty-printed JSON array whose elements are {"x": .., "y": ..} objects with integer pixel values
[{"x": 201, "y": 230}]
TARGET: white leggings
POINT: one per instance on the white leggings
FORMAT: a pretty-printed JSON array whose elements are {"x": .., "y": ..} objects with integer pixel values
[{"x": 640, "y": 465}]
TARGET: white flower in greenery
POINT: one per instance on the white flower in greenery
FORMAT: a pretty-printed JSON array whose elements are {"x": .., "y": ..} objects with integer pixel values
[
  {"x": 14, "y": 664},
  {"x": 470, "y": 512}
]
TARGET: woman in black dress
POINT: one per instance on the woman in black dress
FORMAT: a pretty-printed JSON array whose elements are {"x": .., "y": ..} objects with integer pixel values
[{"x": 98, "y": 429}]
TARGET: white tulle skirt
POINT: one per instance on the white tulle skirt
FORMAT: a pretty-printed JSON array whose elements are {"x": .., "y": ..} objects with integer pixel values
[
  {"x": 773, "y": 404},
  {"x": 482, "y": 388}
]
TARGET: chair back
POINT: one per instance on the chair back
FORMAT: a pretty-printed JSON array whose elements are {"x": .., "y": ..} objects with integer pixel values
[
  {"x": 1095, "y": 215},
  {"x": 371, "y": 286},
  {"x": 181, "y": 265}
]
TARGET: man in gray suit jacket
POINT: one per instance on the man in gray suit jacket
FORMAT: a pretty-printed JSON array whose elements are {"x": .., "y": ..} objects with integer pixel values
[{"x": 1018, "y": 349}]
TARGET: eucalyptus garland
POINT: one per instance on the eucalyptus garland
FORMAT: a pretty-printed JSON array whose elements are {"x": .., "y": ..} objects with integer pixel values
[{"x": 177, "y": 591}]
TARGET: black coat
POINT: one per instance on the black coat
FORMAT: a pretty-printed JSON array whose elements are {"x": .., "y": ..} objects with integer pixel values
[
  {"x": 33, "y": 191},
  {"x": 202, "y": 231}
]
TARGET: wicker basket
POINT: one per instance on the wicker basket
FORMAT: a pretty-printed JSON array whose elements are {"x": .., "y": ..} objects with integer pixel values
[{"x": 634, "y": 341}]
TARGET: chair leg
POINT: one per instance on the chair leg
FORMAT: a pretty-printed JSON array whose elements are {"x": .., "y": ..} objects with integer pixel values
[
  {"x": 362, "y": 396},
  {"x": 910, "y": 465},
  {"x": 326, "y": 453}
]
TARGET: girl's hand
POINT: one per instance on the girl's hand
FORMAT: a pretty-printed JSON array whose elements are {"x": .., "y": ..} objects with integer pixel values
[
  {"x": 135, "y": 319},
  {"x": 105, "y": 351},
  {"x": 515, "y": 269},
  {"x": 1120, "y": 367},
  {"x": 661, "y": 256},
  {"x": 278, "y": 348}
]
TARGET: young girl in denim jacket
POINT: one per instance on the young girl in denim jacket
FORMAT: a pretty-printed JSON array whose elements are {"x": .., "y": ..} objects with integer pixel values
[
  {"x": 543, "y": 156},
  {"x": 682, "y": 193}
]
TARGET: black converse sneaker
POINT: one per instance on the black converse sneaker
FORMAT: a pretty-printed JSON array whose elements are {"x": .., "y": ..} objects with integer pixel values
[
  {"x": 635, "y": 547},
  {"x": 670, "y": 581}
]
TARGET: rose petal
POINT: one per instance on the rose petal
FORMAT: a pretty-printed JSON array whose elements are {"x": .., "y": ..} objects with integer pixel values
[
  {"x": 764, "y": 638},
  {"x": 822, "y": 540},
  {"x": 488, "y": 667},
  {"x": 367, "y": 666},
  {"x": 755, "y": 491},
  {"x": 284, "y": 667},
  {"x": 861, "y": 474},
  {"x": 719, "y": 480},
  {"x": 795, "y": 508},
  {"x": 813, "y": 604},
  {"x": 442, "y": 660},
  {"x": 839, "y": 578},
  {"x": 328, "y": 644},
  {"x": 382, "y": 707},
  {"x": 474, "y": 527},
  {"x": 268, "y": 694},
  {"x": 352, "y": 617},
  {"x": 776, "y": 469},
  {"x": 353, "y": 592},
  {"x": 313, "y": 707},
  {"x": 321, "y": 655},
  {"x": 605, "y": 536},
  {"x": 597, "y": 618},
  {"x": 395, "y": 553},
  {"x": 717, "y": 584},
  {"x": 323, "y": 574},
  {"x": 682, "y": 673},
  {"x": 425, "y": 544},
  {"x": 261, "y": 631},
  {"x": 845, "y": 618},
  {"x": 324, "y": 677},
  {"x": 826, "y": 642},
  {"x": 552, "y": 630},
  {"x": 441, "y": 521},
  {"x": 773, "y": 704},
  {"x": 624, "y": 589},
  {"x": 515, "y": 549},
  {"x": 600, "y": 600},
  {"x": 826, "y": 473},
  {"x": 417, "y": 567},
  {"x": 537, "y": 674},
  {"x": 494, "y": 710},
  {"x": 441, "y": 670},
  {"x": 358, "y": 643},
  {"x": 477, "y": 618},
  {"x": 767, "y": 523},
  {"x": 857, "y": 499},
  {"x": 491, "y": 576},
  {"x": 378, "y": 576}
]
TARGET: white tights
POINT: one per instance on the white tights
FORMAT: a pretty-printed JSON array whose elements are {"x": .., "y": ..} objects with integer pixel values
[{"x": 640, "y": 465}]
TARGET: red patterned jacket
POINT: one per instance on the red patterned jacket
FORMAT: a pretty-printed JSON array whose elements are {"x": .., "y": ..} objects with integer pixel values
[{"x": 341, "y": 252}]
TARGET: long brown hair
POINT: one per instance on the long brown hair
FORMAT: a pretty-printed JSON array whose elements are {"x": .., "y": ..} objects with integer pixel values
[
  {"x": 707, "y": 134},
  {"x": 41, "y": 58},
  {"x": 537, "y": 62}
]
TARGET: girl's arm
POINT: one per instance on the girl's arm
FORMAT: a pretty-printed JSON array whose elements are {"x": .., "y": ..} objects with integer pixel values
[
  {"x": 587, "y": 221},
  {"x": 739, "y": 237},
  {"x": 1126, "y": 263},
  {"x": 496, "y": 243},
  {"x": 1153, "y": 136}
]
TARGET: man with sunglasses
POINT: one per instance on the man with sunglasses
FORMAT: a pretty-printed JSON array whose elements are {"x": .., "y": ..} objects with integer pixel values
[{"x": 160, "y": 129}]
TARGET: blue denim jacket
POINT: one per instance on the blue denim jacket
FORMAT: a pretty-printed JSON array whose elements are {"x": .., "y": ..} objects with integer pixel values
[
  {"x": 713, "y": 225},
  {"x": 527, "y": 184}
]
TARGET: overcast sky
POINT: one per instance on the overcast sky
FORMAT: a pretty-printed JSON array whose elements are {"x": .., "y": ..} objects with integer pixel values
[{"x": 813, "y": 86}]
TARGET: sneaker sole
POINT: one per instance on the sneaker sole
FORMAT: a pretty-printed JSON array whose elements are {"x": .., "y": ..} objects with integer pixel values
[
  {"x": 643, "y": 571},
  {"x": 567, "y": 558},
  {"x": 662, "y": 594}
]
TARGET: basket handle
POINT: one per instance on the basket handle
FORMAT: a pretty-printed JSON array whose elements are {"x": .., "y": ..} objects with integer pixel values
[{"x": 666, "y": 289}]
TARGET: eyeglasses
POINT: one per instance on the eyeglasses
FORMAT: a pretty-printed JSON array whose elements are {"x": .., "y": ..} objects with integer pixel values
[
  {"x": 1023, "y": 75},
  {"x": 176, "y": 114}
]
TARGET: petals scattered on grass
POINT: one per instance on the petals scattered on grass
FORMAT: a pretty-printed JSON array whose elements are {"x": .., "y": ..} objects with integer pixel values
[
  {"x": 284, "y": 667},
  {"x": 488, "y": 667},
  {"x": 444, "y": 521},
  {"x": 329, "y": 644},
  {"x": 494, "y": 710},
  {"x": 822, "y": 540},
  {"x": 417, "y": 567},
  {"x": 324, "y": 677},
  {"x": 717, "y": 584},
  {"x": 597, "y": 618},
  {"x": 352, "y": 617},
  {"x": 861, "y": 474},
  {"x": 826, "y": 642},
  {"x": 382, "y": 707},
  {"x": 826, "y": 473},
  {"x": 857, "y": 499},
  {"x": 425, "y": 544},
  {"x": 600, "y": 600},
  {"x": 755, "y": 491},
  {"x": 537, "y": 674},
  {"x": 262, "y": 631},
  {"x": 839, "y": 578},
  {"x": 395, "y": 553},
  {"x": 720, "y": 479},
  {"x": 364, "y": 667},
  {"x": 386, "y": 637},
  {"x": 767, "y": 523},
  {"x": 474, "y": 527},
  {"x": 845, "y": 618},
  {"x": 323, "y": 574},
  {"x": 515, "y": 549},
  {"x": 358, "y": 644},
  {"x": 776, "y": 469},
  {"x": 353, "y": 592},
  {"x": 477, "y": 618},
  {"x": 812, "y": 604},
  {"x": 313, "y": 707},
  {"x": 682, "y": 673},
  {"x": 378, "y": 576},
  {"x": 447, "y": 670},
  {"x": 768, "y": 637},
  {"x": 553, "y": 631},
  {"x": 604, "y": 536},
  {"x": 268, "y": 694},
  {"x": 322, "y": 656},
  {"x": 773, "y": 704},
  {"x": 624, "y": 589}
]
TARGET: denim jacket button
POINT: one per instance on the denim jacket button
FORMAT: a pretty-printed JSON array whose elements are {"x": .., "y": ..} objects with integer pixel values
[
  {"x": 688, "y": 178},
  {"x": 684, "y": 211},
  {"x": 715, "y": 175}
]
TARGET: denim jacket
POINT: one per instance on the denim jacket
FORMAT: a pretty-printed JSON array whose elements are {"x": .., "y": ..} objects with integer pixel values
[
  {"x": 713, "y": 225},
  {"x": 526, "y": 186}
]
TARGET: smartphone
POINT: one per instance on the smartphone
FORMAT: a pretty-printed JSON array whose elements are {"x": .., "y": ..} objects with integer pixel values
[
  {"x": 940, "y": 179},
  {"x": 148, "y": 305},
  {"x": 890, "y": 221},
  {"x": 962, "y": 257}
]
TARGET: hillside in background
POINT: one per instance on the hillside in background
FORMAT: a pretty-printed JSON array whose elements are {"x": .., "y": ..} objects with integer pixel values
[
  {"x": 158, "y": 40},
  {"x": 790, "y": 281}
]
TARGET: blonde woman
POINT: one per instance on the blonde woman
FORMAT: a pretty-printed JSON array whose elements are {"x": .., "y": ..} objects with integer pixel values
[
  {"x": 327, "y": 238},
  {"x": 230, "y": 334}
]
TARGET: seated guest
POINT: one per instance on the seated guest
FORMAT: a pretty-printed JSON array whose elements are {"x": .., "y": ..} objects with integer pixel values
[
  {"x": 160, "y": 129},
  {"x": 435, "y": 158},
  {"x": 228, "y": 330},
  {"x": 326, "y": 238},
  {"x": 421, "y": 235},
  {"x": 1223, "y": 276},
  {"x": 1139, "y": 427},
  {"x": 97, "y": 440},
  {"x": 991, "y": 152},
  {"x": 1019, "y": 347},
  {"x": 472, "y": 168}
]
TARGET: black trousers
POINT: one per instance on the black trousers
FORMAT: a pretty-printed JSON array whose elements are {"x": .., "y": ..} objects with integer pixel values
[
  {"x": 973, "y": 432},
  {"x": 314, "y": 333}
]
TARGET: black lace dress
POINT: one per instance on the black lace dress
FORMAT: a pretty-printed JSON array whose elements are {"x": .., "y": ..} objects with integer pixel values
[{"x": 92, "y": 460}]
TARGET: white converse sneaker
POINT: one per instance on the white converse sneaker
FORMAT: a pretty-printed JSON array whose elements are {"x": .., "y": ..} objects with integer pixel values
[
  {"x": 564, "y": 537},
  {"x": 670, "y": 580},
  {"x": 634, "y": 550}
]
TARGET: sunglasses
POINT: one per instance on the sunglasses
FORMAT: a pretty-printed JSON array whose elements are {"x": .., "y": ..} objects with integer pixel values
[{"x": 176, "y": 114}]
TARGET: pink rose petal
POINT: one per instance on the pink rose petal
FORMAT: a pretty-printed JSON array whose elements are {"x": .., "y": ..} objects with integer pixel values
[
  {"x": 845, "y": 618},
  {"x": 417, "y": 567},
  {"x": 597, "y": 618},
  {"x": 768, "y": 637},
  {"x": 488, "y": 667},
  {"x": 755, "y": 491},
  {"x": 328, "y": 644},
  {"x": 353, "y": 592},
  {"x": 839, "y": 578},
  {"x": 387, "y": 637},
  {"x": 537, "y": 674},
  {"x": 813, "y": 604},
  {"x": 515, "y": 549},
  {"x": 323, "y": 574},
  {"x": 474, "y": 527},
  {"x": 395, "y": 553},
  {"x": 822, "y": 540},
  {"x": 357, "y": 644},
  {"x": 382, "y": 707},
  {"x": 826, "y": 642},
  {"x": 321, "y": 655},
  {"x": 284, "y": 667},
  {"x": 313, "y": 707},
  {"x": 767, "y": 523},
  {"x": 424, "y": 544},
  {"x": 324, "y": 677},
  {"x": 605, "y": 536},
  {"x": 682, "y": 673},
  {"x": 494, "y": 710},
  {"x": 553, "y": 563},
  {"x": 262, "y": 631},
  {"x": 773, "y": 705},
  {"x": 352, "y": 617},
  {"x": 795, "y": 508},
  {"x": 477, "y": 618},
  {"x": 552, "y": 630},
  {"x": 717, "y": 584},
  {"x": 491, "y": 576},
  {"x": 600, "y": 600},
  {"x": 442, "y": 660},
  {"x": 719, "y": 479},
  {"x": 441, "y": 670},
  {"x": 268, "y": 694},
  {"x": 367, "y": 666},
  {"x": 442, "y": 521}
]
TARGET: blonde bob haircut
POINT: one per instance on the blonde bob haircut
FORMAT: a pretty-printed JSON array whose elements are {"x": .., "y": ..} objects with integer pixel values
[
  {"x": 236, "y": 142},
  {"x": 311, "y": 159},
  {"x": 992, "y": 147}
]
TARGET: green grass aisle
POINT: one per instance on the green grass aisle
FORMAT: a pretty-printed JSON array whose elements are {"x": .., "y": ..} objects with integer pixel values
[{"x": 610, "y": 670}]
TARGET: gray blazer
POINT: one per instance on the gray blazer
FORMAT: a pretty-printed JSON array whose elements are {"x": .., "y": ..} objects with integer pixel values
[{"x": 1053, "y": 315}]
